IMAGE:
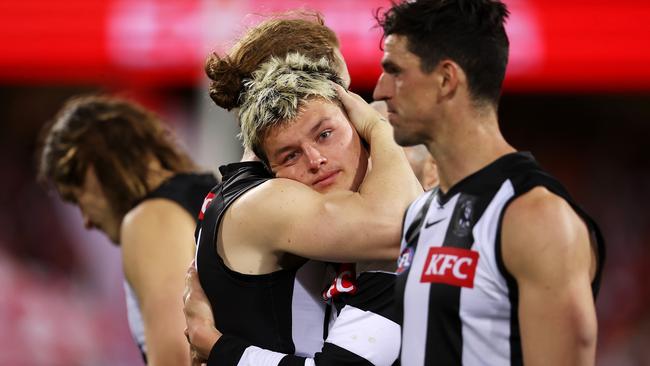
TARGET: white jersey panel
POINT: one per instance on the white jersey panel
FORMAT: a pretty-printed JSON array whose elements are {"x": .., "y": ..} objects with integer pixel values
[
  {"x": 416, "y": 297},
  {"x": 485, "y": 309},
  {"x": 134, "y": 317},
  {"x": 367, "y": 335},
  {"x": 307, "y": 305}
]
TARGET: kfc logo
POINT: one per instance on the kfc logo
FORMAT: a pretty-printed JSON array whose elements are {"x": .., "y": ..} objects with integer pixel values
[
  {"x": 453, "y": 266},
  {"x": 206, "y": 203}
]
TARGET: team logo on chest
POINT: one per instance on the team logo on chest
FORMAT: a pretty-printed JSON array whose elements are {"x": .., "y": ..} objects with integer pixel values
[
  {"x": 462, "y": 221},
  {"x": 449, "y": 265}
]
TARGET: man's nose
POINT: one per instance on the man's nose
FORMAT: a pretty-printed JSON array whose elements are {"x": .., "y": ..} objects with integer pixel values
[
  {"x": 382, "y": 89},
  {"x": 315, "y": 157}
]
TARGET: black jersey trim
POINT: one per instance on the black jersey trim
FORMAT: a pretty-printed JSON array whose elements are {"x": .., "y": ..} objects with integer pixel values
[
  {"x": 516, "y": 354},
  {"x": 375, "y": 294},
  {"x": 491, "y": 174},
  {"x": 185, "y": 189},
  {"x": 228, "y": 350}
]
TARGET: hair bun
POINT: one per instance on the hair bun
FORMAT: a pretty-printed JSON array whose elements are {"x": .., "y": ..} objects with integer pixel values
[{"x": 226, "y": 84}]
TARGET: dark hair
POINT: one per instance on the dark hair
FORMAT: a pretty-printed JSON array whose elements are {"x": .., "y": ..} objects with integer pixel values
[
  {"x": 469, "y": 32},
  {"x": 302, "y": 32},
  {"x": 117, "y": 138}
]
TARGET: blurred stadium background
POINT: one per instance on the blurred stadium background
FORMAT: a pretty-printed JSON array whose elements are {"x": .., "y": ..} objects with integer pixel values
[{"x": 577, "y": 94}]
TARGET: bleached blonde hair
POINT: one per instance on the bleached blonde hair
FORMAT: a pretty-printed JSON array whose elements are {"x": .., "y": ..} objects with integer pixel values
[{"x": 277, "y": 92}]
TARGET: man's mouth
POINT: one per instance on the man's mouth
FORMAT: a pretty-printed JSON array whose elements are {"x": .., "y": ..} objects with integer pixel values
[{"x": 326, "y": 180}]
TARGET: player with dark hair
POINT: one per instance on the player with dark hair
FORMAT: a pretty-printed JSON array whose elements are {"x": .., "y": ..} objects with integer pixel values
[
  {"x": 498, "y": 265},
  {"x": 118, "y": 163}
]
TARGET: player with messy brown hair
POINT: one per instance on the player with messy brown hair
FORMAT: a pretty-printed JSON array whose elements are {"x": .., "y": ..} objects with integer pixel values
[{"x": 127, "y": 174}]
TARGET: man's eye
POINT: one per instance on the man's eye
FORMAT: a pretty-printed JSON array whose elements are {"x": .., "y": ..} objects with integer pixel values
[
  {"x": 289, "y": 157},
  {"x": 325, "y": 134}
]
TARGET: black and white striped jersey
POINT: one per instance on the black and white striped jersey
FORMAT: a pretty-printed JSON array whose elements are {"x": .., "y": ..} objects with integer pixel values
[
  {"x": 457, "y": 300},
  {"x": 281, "y": 311},
  {"x": 187, "y": 190},
  {"x": 364, "y": 331}
]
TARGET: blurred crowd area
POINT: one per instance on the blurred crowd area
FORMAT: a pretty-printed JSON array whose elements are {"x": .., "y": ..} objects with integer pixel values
[{"x": 61, "y": 295}]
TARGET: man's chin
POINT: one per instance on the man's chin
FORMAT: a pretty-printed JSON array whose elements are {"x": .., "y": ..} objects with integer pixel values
[
  {"x": 403, "y": 140},
  {"x": 393, "y": 118}
]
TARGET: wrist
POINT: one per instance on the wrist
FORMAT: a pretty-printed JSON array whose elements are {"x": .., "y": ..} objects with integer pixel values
[
  {"x": 203, "y": 338},
  {"x": 379, "y": 131}
]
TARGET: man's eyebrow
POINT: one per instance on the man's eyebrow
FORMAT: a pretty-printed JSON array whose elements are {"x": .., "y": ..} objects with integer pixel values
[
  {"x": 317, "y": 126},
  {"x": 389, "y": 66},
  {"x": 282, "y": 150},
  {"x": 312, "y": 131}
]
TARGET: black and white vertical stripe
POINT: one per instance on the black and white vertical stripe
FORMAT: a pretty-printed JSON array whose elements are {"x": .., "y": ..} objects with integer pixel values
[
  {"x": 364, "y": 333},
  {"x": 469, "y": 324}
]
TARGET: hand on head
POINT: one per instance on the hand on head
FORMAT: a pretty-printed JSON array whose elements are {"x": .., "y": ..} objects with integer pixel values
[{"x": 361, "y": 114}]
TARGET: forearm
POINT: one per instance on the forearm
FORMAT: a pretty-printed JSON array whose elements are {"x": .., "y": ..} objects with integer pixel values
[
  {"x": 562, "y": 331},
  {"x": 162, "y": 351},
  {"x": 390, "y": 185},
  {"x": 233, "y": 351},
  {"x": 365, "y": 332}
]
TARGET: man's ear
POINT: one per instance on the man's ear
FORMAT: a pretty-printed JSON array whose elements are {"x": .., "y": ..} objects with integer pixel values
[{"x": 449, "y": 76}]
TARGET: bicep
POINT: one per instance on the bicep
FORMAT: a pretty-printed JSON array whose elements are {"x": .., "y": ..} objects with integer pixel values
[
  {"x": 156, "y": 252},
  {"x": 546, "y": 248},
  {"x": 336, "y": 226}
]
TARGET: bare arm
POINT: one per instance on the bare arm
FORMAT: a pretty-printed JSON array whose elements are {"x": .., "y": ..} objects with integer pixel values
[
  {"x": 546, "y": 248},
  {"x": 338, "y": 226},
  {"x": 200, "y": 331},
  {"x": 157, "y": 245}
]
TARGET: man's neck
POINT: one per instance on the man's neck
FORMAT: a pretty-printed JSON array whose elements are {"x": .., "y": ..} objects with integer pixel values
[{"x": 466, "y": 145}]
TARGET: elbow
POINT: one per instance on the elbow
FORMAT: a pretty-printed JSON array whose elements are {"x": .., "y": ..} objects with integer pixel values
[{"x": 587, "y": 337}]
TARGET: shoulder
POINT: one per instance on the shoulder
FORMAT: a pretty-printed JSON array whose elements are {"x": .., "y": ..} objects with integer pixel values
[
  {"x": 274, "y": 194},
  {"x": 158, "y": 215},
  {"x": 537, "y": 211},
  {"x": 540, "y": 228}
]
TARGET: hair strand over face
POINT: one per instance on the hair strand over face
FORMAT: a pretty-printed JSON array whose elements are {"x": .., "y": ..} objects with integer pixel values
[{"x": 118, "y": 138}]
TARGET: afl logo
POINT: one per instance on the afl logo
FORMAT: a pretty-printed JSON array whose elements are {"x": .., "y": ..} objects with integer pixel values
[{"x": 405, "y": 259}]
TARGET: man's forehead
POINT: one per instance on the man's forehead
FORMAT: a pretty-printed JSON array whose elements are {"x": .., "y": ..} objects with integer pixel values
[
  {"x": 395, "y": 43},
  {"x": 396, "y": 50},
  {"x": 312, "y": 114}
]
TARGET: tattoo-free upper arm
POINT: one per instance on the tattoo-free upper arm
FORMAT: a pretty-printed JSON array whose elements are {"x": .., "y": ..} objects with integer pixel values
[
  {"x": 546, "y": 247},
  {"x": 339, "y": 226},
  {"x": 157, "y": 246}
]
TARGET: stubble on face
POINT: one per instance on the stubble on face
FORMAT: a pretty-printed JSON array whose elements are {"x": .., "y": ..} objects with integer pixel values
[{"x": 409, "y": 92}]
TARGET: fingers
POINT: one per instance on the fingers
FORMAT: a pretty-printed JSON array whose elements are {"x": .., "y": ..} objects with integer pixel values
[
  {"x": 347, "y": 97},
  {"x": 192, "y": 283},
  {"x": 196, "y": 359}
]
